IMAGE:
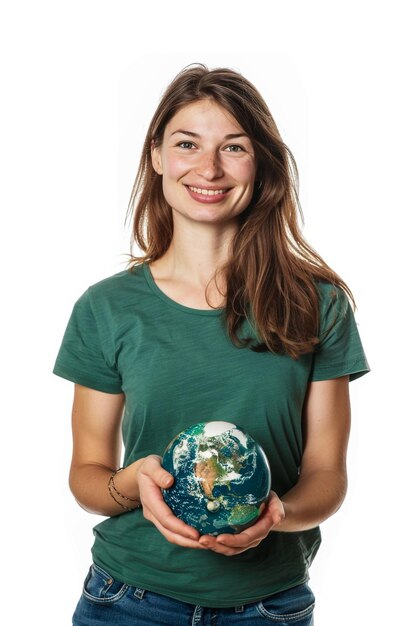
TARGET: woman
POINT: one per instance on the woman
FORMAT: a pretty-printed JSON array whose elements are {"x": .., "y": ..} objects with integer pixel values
[{"x": 228, "y": 315}]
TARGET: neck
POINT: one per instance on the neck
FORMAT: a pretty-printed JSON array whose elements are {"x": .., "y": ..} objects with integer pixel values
[
  {"x": 186, "y": 271},
  {"x": 196, "y": 253}
]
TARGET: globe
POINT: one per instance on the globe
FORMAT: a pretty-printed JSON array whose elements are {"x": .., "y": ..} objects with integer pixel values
[{"x": 222, "y": 477}]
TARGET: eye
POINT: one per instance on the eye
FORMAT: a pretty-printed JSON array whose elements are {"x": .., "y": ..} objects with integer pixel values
[
  {"x": 187, "y": 145},
  {"x": 234, "y": 148}
]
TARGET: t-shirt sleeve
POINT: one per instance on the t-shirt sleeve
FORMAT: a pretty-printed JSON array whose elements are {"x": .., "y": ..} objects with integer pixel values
[
  {"x": 340, "y": 351},
  {"x": 85, "y": 356}
]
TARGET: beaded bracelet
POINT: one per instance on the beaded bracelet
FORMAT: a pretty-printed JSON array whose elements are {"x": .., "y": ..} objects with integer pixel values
[{"x": 111, "y": 485}]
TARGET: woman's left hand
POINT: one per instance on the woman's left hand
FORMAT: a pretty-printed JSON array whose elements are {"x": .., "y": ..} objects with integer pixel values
[{"x": 227, "y": 544}]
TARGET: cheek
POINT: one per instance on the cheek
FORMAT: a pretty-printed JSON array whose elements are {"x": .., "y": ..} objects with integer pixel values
[
  {"x": 245, "y": 172},
  {"x": 174, "y": 168},
  {"x": 173, "y": 171}
]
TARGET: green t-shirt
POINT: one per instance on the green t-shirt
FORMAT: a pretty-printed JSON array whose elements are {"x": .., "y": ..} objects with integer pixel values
[{"x": 177, "y": 366}]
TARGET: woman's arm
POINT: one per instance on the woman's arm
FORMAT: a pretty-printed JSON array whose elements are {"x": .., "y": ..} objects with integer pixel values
[
  {"x": 322, "y": 484},
  {"x": 96, "y": 420}
]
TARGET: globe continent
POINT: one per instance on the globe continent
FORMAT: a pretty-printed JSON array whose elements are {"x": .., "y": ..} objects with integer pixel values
[{"x": 222, "y": 477}]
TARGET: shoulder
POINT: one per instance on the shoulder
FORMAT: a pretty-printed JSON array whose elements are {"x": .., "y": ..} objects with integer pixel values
[
  {"x": 116, "y": 282},
  {"x": 328, "y": 291},
  {"x": 112, "y": 295},
  {"x": 116, "y": 287},
  {"x": 331, "y": 296},
  {"x": 335, "y": 309},
  {"x": 339, "y": 351}
]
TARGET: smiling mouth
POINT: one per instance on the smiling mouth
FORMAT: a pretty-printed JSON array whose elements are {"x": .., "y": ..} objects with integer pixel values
[{"x": 207, "y": 192}]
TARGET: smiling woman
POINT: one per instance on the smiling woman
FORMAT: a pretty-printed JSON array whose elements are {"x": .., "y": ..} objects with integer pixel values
[
  {"x": 210, "y": 170},
  {"x": 228, "y": 315}
]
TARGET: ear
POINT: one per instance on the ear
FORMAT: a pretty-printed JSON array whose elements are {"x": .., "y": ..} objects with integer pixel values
[{"x": 156, "y": 158}]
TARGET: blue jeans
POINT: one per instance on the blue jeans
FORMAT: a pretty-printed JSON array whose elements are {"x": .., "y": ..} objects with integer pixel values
[{"x": 107, "y": 601}]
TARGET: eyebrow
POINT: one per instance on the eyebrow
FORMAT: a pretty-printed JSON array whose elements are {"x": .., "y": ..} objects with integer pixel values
[{"x": 191, "y": 134}]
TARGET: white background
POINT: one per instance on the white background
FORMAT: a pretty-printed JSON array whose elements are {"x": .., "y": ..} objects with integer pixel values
[{"x": 79, "y": 83}]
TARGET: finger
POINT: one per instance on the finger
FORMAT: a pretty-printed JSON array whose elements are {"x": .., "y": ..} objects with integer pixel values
[
  {"x": 178, "y": 539},
  {"x": 240, "y": 540},
  {"x": 153, "y": 477},
  {"x": 153, "y": 469},
  {"x": 208, "y": 541},
  {"x": 249, "y": 536},
  {"x": 212, "y": 543},
  {"x": 237, "y": 547},
  {"x": 156, "y": 510},
  {"x": 172, "y": 523},
  {"x": 276, "y": 508},
  {"x": 164, "y": 519},
  {"x": 229, "y": 546}
]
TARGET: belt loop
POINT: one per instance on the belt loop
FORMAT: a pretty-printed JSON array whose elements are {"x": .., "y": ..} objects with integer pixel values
[
  {"x": 139, "y": 593},
  {"x": 197, "y": 615},
  {"x": 239, "y": 609}
]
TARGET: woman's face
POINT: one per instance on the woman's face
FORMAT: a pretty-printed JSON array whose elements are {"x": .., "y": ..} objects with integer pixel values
[{"x": 207, "y": 163}]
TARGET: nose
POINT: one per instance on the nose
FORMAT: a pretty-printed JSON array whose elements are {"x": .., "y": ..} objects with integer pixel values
[{"x": 209, "y": 165}]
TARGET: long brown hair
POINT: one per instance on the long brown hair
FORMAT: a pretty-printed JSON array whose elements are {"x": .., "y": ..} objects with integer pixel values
[{"x": 271, "y": 276}]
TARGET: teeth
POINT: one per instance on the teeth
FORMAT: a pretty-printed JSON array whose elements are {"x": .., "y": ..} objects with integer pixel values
[{"x": 208, "y": 192}]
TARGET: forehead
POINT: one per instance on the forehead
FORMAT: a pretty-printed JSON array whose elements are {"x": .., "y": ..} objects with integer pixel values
[{"x": 204, "y": 116}]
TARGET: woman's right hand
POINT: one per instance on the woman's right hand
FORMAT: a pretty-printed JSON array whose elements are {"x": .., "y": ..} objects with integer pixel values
[{"x": 152, "y": 478}]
